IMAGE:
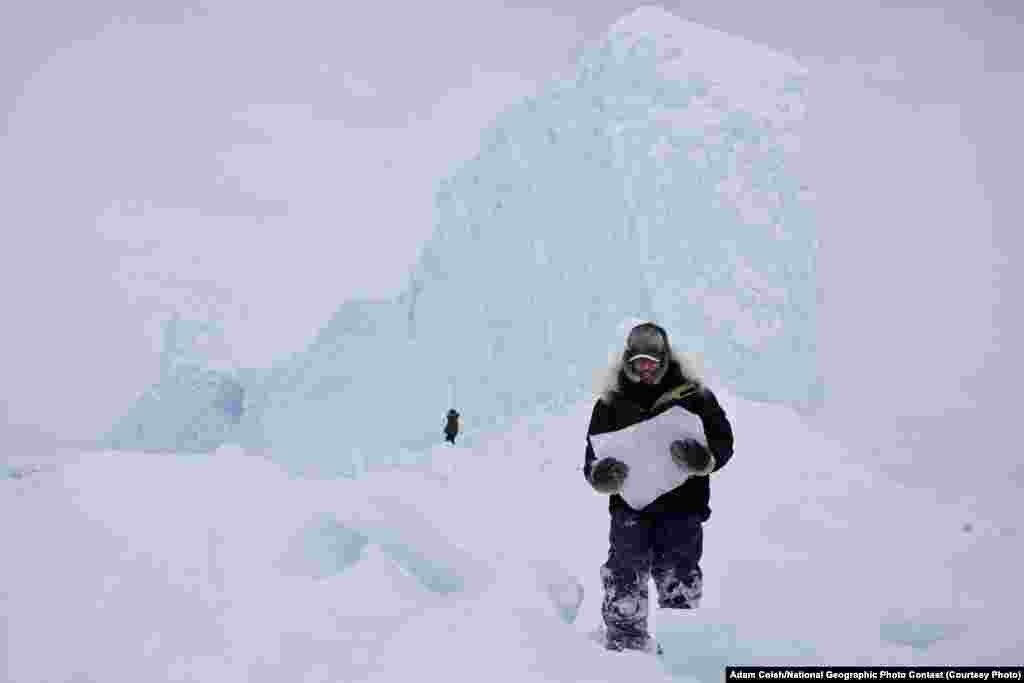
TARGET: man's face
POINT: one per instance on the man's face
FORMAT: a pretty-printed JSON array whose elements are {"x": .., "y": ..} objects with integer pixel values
[{"x": 646, "y": 369}]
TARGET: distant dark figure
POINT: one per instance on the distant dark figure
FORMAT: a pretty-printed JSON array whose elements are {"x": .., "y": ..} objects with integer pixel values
[{"x": 451, "y": 426}]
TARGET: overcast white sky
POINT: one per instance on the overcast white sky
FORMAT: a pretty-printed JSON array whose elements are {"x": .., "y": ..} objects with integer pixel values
[{"x": 286, "y": 154}]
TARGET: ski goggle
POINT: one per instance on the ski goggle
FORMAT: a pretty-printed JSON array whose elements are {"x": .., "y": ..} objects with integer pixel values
[{"x": 644, "y": 361}]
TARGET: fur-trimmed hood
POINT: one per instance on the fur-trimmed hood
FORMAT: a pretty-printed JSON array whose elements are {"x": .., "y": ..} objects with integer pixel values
[{"x": 608, "y": 379}]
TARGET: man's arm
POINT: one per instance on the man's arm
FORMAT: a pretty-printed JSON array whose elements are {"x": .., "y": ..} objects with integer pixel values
[
  {"x": 606, "y": 475},
  {"x": 717, "y": 428},
  {"x": 598, "y": 424}
]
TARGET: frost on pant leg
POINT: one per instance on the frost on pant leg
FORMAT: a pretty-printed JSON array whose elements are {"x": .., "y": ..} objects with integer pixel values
[
  {"x": 625, "y": 577},
  {"x": 676, "y": 569},
  {"x": 679, "y": 590},
  {"x": 624, "y": 609}
]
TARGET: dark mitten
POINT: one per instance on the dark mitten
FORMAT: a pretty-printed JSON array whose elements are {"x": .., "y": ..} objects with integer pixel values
[
  {"x": 608, "y": 475},
  {"x": 692, "y": 455}
]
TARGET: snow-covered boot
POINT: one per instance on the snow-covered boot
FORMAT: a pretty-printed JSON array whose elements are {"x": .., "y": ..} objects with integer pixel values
[{"x": 628, "y": 643}]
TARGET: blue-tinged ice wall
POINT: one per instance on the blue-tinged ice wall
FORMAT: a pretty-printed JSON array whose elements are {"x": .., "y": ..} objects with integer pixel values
[
  {"x": 705, "y": 133},
  {"x": 194, "y": 407},
  {"x": 659, "y": 181},
  {"x": 662, "y": 177}
]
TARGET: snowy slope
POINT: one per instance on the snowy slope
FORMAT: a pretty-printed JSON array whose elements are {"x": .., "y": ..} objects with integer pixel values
[{"x": 223, "y": 568}]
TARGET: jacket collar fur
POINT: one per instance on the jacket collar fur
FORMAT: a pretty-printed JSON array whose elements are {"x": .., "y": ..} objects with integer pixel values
[{"x": 609, "y": 381}]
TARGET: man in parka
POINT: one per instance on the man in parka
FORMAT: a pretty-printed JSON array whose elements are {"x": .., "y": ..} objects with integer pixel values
[{"x": 665, "y": 539}]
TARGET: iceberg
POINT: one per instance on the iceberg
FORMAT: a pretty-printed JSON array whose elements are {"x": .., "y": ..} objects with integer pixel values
[{"x": 660, "y": 180}]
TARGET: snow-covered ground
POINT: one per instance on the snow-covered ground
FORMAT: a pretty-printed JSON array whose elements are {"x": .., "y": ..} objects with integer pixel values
[{"x": 220, "y": 568}]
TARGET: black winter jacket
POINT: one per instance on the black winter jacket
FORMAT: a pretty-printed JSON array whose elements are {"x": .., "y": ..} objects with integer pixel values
[
  {"x": 628, "y": 403},
  {"x": 451, "y": 425}
]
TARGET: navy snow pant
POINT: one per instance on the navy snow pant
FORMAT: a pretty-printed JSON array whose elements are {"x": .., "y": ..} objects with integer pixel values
[{"x": 664, "y": 546}]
